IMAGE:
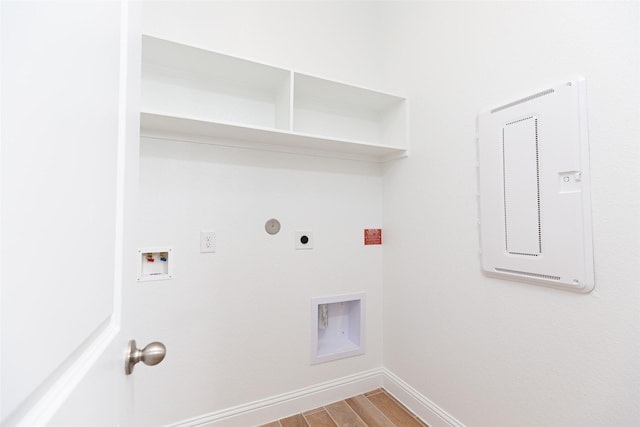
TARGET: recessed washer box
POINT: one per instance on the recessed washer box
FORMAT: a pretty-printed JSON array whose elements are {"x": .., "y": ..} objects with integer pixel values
[
  {"x": 154, "y": 264},
  {"x": 534, "y": 188},
  {"x": 337, "y": 327}
]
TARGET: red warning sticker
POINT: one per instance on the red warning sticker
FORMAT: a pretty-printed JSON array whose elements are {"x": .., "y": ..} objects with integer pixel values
[{"x": 372, "y": 236}]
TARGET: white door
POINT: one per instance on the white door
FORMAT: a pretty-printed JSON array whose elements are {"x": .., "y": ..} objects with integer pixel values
[{"x": 69, "y": 163}]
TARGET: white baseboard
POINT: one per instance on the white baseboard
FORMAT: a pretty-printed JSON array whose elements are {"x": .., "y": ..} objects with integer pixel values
[
  {"x": 286, "y": 404},
  {"x": 417, "y": 403},
  {"x": 281, "y": 406}
]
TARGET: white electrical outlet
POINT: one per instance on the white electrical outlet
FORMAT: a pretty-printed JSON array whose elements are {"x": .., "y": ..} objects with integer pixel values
[
  {"x": 304, "y": 239},
  {"x": 207, "y": 242}
]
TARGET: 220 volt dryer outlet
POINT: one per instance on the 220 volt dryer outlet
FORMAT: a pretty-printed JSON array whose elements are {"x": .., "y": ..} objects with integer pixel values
[{"x": 304, "y": 239}]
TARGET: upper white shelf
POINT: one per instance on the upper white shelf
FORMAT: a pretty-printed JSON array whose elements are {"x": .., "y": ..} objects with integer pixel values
[{"x": 192, "y": 94}]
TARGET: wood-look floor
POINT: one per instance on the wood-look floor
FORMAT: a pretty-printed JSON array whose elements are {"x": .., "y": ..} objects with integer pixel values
[{"x": 373, "y": 409}]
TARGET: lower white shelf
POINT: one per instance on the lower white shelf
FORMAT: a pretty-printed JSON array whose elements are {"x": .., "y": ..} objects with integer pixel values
[
  {"x": 193, "y": 129},
  {"x": 337, "y": 327}
]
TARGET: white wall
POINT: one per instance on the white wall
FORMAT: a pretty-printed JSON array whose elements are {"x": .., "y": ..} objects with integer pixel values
[
  {"x": 491, "y": 352},
  {"x": 335, "y": 40},
  {"x": 237, "y": 323}
]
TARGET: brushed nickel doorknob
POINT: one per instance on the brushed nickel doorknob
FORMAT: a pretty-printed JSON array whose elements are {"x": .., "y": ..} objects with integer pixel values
[{"x": 151, "y": 355}]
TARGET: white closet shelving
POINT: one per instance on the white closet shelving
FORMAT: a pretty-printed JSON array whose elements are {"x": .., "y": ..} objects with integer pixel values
[{"x": 192, "y": 94}]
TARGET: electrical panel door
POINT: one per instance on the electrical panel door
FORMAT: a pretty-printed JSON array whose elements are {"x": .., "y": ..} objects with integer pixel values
[{"x": 534, "y": 196}]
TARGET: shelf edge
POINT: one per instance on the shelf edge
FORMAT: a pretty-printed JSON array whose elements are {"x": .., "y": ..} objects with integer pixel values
[{"x": 162, "y": 126}]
